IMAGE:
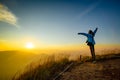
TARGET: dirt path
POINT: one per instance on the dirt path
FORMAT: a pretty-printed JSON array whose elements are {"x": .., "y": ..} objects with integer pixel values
[{"x": 101, "y": 70}]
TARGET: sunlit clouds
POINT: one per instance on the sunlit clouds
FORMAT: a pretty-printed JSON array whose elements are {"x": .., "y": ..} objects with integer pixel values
[{"x": 7, "y": 16}]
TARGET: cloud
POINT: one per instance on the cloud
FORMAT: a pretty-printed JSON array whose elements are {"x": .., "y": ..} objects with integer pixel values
[
  {"x": 89, "y": 9},
  {"x": 7, "y": 16}
]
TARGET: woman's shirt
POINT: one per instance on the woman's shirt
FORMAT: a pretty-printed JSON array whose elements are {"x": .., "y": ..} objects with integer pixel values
[{"x": 90, "y": 37}]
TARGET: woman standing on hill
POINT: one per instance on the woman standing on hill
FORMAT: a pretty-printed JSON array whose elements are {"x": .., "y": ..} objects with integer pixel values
[{"x": 90, "y": 41}]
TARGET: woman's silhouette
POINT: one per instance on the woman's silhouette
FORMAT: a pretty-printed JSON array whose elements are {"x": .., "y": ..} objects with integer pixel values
[{"x": 90, "y": 41}]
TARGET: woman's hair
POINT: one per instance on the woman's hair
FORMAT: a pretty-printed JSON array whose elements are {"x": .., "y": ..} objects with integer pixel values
[{"x": 91, "y": 32}]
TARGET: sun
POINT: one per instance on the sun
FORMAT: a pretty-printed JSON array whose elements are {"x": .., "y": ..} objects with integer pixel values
[{"x": 29, "y": 45}]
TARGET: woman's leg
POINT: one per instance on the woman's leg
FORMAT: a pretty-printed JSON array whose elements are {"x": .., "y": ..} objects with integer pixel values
[{"x": 92, "y": 52}]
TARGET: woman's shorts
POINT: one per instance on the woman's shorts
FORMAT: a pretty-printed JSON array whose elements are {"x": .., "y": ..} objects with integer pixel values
[{"x": 89, "y": 44}]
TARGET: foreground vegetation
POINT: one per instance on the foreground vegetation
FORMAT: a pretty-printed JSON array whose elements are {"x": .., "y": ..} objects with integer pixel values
[
  {"x": 45, "y": 70},
  {"x": 52, "y": 66}
]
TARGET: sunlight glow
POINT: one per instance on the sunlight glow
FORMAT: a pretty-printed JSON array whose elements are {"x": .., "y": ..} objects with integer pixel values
[{"x": 29, "y": 45}]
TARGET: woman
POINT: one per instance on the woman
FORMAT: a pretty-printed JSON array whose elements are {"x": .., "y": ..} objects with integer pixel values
[{"x": 90, "y": 41}]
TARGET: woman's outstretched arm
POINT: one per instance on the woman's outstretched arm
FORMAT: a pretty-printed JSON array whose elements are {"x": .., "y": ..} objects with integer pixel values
[
  {"x": 95, "y": 31},
  {"x": 85, "y": 34}
]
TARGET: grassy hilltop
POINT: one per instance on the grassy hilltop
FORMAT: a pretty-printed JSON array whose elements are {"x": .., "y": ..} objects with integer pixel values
[{"x": 53, "y": 65}]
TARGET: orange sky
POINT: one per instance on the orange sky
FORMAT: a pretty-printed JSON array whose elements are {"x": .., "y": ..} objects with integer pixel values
[{"x": 21, "y": 45}]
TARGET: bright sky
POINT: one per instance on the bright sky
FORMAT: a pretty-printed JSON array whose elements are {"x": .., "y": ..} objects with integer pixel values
[{"x": 49, "y": 23}]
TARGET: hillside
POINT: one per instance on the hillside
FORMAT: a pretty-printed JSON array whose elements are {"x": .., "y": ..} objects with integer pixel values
[
  {"x": 107, "y": 67},
  {"x": 101, "y": 70}
]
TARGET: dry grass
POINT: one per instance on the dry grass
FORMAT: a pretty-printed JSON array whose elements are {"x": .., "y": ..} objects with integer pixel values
[
  {"x": 45, "y": 69},
  {"x": 49, "y": 66},
  {"x": 100, "y": 57}
]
